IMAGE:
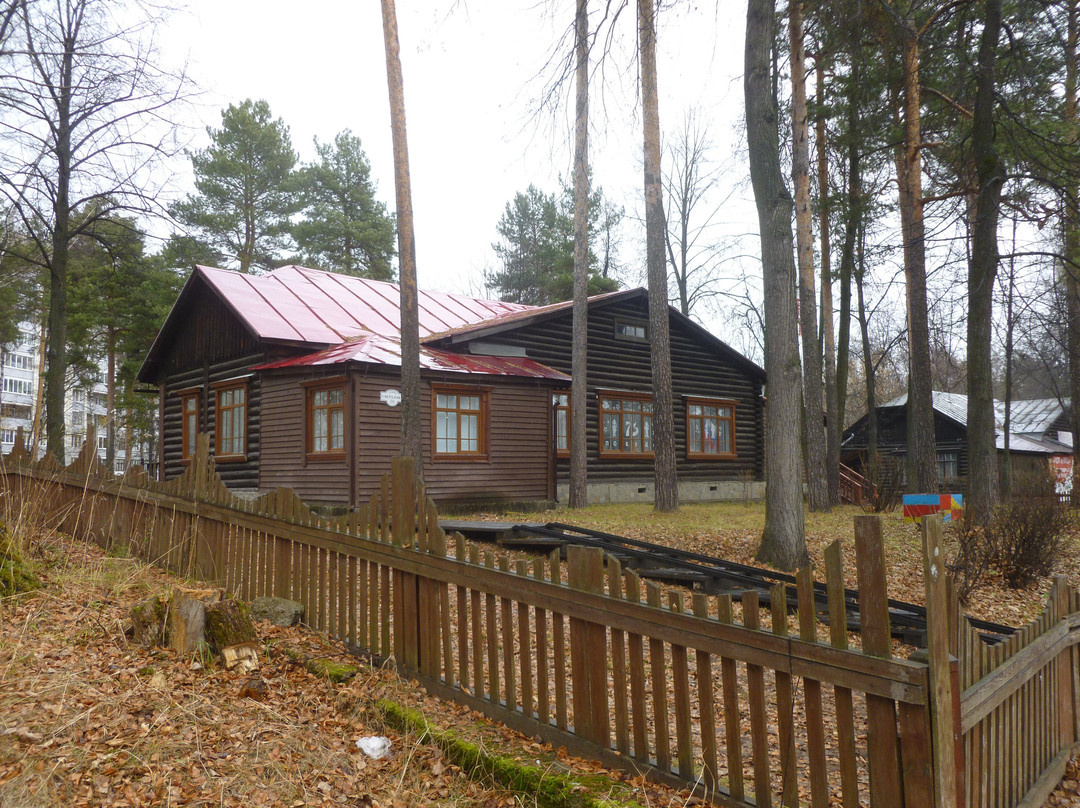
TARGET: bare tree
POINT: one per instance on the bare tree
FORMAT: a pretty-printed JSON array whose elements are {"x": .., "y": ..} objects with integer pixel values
[
  {"x": 663, "y": 439},
  {"x": 690, "y": 182},
  {"x": 783, "y": 541},
  {"x": 578, "y": 497},
  {"x": 84, "y": 122},
  {"x": 411, "y": 443}
]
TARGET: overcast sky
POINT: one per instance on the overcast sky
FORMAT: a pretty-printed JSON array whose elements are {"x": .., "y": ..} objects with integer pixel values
[{"x": 469, "y": 70}]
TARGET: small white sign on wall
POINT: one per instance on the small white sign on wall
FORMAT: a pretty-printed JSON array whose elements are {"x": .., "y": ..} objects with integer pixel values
[{"x": 390, "y": 397}]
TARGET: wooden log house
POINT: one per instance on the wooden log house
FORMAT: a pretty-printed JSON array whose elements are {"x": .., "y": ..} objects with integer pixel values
[{"x": 294, "y": 375}]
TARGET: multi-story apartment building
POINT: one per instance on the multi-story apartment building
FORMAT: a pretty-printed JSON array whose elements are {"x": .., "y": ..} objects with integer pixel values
[{"x": 85, "y": 403}]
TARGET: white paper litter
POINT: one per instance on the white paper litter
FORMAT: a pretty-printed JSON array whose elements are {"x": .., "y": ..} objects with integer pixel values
[{"x": 374, "y": 746}]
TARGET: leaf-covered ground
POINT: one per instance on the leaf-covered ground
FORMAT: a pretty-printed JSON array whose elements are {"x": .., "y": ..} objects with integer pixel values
[{"x": 88, "y": 718}]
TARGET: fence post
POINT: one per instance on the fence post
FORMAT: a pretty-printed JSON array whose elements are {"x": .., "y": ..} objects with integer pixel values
[
  {"x": 881, "y": 741},
  {"x": 1066, "y": 705},
  {"x": 407, "y": 606},
  {"x": 947, "y": 742},
  {"x": 588, "y": 649}
]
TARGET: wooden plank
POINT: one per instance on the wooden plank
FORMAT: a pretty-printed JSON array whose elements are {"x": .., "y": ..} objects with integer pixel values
[
  {"x": 658, "y": 675},
  {"x": 507, "y": 613},
  {"x": 558, "y": 639},
  {"x": 543, "y": 687},
  {"x": 917, "y": 774},
  {"x": 526, "y": 646},
  {"x": 494, "y": 691},
  {"x": 881, "y": 746},
  {"x": 706, "y": 703},
  {"x": 815, "y": 722},
  {"x": 477, "y": 630},
  {"x": 445, "y": 626},
  {"x": 1066, "y": 706},
  {"x": 785, "y": 704},
  {"x": 732, "y": 724},
  {"x": 384, "y": 610},
  {"x": 755, "y": 686},
  {"x": 636, "y": 652},
  {"x": 845, "y": 709},
  {"x": 680, "y": 678},
  {"x": 945, "y": 735},
  {"x": 351, "y": 584},
  {"x": 620, "y": 695},
  {"x": 462, "y": 619},
  {"x": 363, "y": 597}
]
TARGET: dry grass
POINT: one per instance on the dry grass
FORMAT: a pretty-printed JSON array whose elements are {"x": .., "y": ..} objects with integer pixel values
[
  {"x": 86, "y": 718},
  {"x": 732, "y": 530}
]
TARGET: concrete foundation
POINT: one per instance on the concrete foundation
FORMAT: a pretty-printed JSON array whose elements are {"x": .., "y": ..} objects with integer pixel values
[{"x": 689, "y": 491}]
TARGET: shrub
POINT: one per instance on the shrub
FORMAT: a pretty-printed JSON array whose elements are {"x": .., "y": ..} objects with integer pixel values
[
  {"x": 974, "y": 559},
  {"x": 888, "y": 489},
  {"x": 1030, "y": 537},
  {"x": 1023, "y": 543}
]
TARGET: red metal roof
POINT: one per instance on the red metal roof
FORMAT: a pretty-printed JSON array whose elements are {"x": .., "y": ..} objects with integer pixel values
[
  {"x": 381, "y": 350},
  {"x": 297, "y": 304}
]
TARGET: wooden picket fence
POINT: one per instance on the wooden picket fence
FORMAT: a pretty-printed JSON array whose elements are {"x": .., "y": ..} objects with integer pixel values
[{"x": 752, "y": 707}]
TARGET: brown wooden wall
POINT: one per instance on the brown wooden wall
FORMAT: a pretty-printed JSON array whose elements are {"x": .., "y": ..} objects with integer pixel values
[
  {"x": 519, "y": 434},
  {"x": 236, "y": 474},
  {"x": 696, "y": 369}
]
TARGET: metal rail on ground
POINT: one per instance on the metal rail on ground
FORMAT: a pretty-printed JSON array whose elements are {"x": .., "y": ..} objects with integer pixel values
[{"x": 720, "y": 576}]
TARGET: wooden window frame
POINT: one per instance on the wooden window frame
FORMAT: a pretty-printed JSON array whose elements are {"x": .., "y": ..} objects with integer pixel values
[
  {"x": 310, "y": 389},
  {"x": 556, "y": 409},
  {"x": 705, "y": 401},
  {"x": 483, "y": 423},
  {"x": 603, "y": 396},
  {"x": 622, "y": 322},
  {"x": 220, "y": 389},
  {"x": 191, "y": 394}
]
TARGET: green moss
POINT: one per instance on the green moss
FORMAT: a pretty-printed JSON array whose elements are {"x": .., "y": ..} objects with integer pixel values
[
  {"x": 228, "y": 623},
  {"x": 15, "y": 574},
  {"x": 147, "y": 671},
  {"x": 550, "y": 789},
  {"x": 336, "y": 672}
]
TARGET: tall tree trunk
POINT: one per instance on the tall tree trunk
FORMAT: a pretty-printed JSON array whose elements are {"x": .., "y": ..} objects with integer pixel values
[
  {"x": 872, "y": 467},
  {"x": 921, "y": 446},
  {"x": 783, "y": 542},
  {"x": 411, "y": 444},
  {"x": 58, "y": 266},
  {"x": 110, "y": 400},
  {"x": 834, "y": 428},
  {"x": 852, "y": 225},
  {"x": 1071, "y": 268},
  {"x": 813, "y": 406},
  {"x": 579, "y": 359},
  {"x": 663, "y": 438},
  {"x": 1006, "y": 427},
  {"x": 982, "y": 270}
]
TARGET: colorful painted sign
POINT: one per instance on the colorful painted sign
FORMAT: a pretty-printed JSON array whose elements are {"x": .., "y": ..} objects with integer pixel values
[
  {"x": 1062, "y": 468},
  {"x": 916, "y": 506}
]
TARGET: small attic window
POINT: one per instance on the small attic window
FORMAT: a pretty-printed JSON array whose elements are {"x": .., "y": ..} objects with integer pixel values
[{"x": 626, "y": 329}]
